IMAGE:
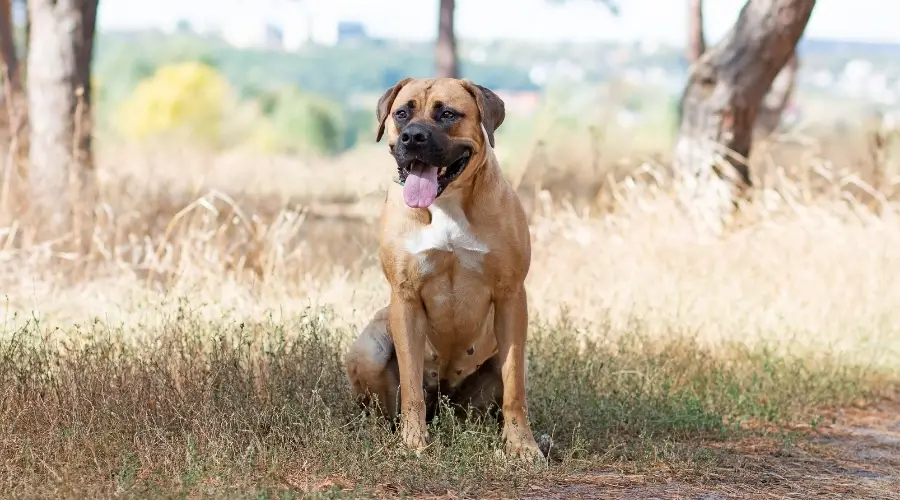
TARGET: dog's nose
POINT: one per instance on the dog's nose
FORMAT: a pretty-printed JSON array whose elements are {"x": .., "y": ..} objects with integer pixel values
[{"x": 415, "y": 135}]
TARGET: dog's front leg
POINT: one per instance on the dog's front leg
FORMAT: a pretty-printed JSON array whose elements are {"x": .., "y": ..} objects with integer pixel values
[
  {"x": 510, "y": 324},
  {"x": 408, "y": 328}
]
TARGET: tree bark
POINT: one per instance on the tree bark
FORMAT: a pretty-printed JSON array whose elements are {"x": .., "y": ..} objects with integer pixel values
[
  {"x": 721, "y": 101},
  {"x": 27, "y": 30},
  {"x": 8, "y": 47},
  {"x": 13, "y": 110},
  {"x": 696, "y": 42},
  {"x": 776, "y": 100},
  {"x": 60, "y": 52},
  {"x": 445, "y": 49},
  {"x": 769, "y": 116}
]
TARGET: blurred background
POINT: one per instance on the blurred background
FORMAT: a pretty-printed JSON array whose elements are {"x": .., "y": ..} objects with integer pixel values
[
  {"x": 236, "y": 138},
  {"x": 300, "y": 77}
]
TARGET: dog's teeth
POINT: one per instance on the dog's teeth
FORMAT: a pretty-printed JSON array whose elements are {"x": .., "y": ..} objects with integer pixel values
[{"x": 442, "y": 170}]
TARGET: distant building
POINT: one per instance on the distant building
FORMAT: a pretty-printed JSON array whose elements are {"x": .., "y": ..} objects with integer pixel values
[
  {"x": 304, "y": 29},
  {"x": 349, "y": 31},
  {"x": 273, "y": 37},
  {"x": 253, "y": 35},
  {"x": 184, "y": 27},
  {"x": 292, "y": 32}
]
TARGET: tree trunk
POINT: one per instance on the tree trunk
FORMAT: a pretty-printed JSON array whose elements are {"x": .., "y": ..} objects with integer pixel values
[
  {"x": 696, "y": 43},
  {"x": 445, "y": 48},
  {"x": 776, "y": 100},
  {"x": 721, "y": 101},
  {"x": 8, "y": 47},
  {"x": 27, "y": 31},
  {"x": 13, "y": 113},
  {"x": 60, "y": 51},
  {"x": 773, "y": 105},
  {"x": 85, "y": 56}
]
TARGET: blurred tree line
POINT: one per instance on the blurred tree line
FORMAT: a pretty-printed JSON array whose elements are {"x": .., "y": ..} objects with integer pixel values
[
  {"x": 285, "y": 101},
  {"x": 149, "y": 86}
]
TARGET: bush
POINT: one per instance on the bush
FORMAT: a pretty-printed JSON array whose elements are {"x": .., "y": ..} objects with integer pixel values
[
  {"x": 187, "y": 99},
  {"x": 297, "y": 122}
]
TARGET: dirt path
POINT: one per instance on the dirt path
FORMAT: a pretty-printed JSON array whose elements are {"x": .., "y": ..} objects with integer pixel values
[{"x": 856, "y": 456}]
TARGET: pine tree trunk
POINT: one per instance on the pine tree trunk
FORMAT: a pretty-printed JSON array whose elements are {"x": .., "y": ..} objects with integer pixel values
[
  {"x": 60, "y": 160},
  {"x": 722, "y": 99},
  {"x": 445, "y": 48},
  {"x": 13, "y": 113},
  {"x": 8, "y": 47},
  {"x": 777, "y": 99},
  {"x": 696, "y": 45}
]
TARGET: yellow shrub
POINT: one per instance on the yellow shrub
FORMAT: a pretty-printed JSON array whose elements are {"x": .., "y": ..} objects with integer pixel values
[{"x": 186, "y": 98}]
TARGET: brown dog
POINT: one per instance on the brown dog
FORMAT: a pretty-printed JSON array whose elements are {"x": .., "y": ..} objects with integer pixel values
[{"x": 455, "y": 249}]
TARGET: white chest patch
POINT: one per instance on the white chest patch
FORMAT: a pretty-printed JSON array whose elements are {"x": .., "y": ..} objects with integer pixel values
[{"x": 449, "y": 232}]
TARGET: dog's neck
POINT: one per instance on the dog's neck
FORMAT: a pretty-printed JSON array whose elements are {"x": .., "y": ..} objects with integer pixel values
[{"x": 483, "y": 179}]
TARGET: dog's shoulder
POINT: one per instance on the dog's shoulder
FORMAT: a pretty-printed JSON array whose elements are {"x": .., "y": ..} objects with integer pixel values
[
  {"x": 500, "y": 211},
  {"x": 397, "y": 220}
]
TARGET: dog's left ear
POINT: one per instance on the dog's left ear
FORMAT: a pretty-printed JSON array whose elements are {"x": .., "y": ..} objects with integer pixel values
[
  {"x": 490, "y": 107},
  {"x": 384, "y": 105}
]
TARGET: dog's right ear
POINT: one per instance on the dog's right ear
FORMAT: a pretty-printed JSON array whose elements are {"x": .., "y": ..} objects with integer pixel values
[
  {"x": 384, "y": 105},
  {"x": 490, "y": 106}
]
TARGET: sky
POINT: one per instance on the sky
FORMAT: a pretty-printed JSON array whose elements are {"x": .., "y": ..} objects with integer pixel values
[{"x": 579, "y": 20}]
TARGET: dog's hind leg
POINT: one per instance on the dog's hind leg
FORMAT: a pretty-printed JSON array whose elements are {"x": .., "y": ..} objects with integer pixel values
[{"x": 372, "y": 368}]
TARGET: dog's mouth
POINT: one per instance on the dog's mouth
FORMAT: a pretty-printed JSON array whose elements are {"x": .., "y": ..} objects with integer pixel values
[{"x": 422, "y": 183}]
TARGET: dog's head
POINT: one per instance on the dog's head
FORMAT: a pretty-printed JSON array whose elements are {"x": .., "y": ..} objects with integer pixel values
[{"x": 439, "y": 131}]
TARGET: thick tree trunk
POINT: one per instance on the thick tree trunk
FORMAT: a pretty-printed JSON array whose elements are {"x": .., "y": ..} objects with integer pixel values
[
  {"x": 773, "y": 105},
  {"x": 60, "y": 51},
  {"x": 722, "y": 98},
  {"x": 696, "y": 45},
  {"x": 776, "y": 100},
  {"x": 445, "y": 48}
]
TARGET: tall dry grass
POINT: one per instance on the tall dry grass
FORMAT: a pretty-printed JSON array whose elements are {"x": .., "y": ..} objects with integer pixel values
[{"x": 811, "y": 253}]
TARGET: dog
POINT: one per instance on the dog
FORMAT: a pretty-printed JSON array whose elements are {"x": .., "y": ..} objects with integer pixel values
[{"x": 455, "y": 249}]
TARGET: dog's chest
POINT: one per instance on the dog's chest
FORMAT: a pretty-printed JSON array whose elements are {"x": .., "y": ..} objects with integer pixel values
[{"x": 449, "y": 231}]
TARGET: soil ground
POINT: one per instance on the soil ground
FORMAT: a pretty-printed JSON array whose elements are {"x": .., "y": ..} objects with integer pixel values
[{"x": 856, "y": 456}]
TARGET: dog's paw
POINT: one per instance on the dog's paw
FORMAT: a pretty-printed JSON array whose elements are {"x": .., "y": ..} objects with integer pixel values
[
  {"x": 520, "y": 443},
  {"x": 524, "y": 450},
  {"x": 415, "y": 440}
]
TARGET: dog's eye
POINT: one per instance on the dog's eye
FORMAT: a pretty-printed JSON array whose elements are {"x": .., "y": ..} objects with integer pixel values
[
  {"x": 448, "y": 115},
  {"x": 400, "y": 114}
]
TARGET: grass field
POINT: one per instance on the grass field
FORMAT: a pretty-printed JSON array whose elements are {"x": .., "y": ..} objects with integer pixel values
[{"x": 195, "y": 349}]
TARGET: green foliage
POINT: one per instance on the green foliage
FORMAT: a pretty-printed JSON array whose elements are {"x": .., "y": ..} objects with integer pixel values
[
  {"x": 360, "y": 127},
  {"x": 123, "y": 62},
  {"x": 297, "y": 122},
  {"x": 317, "y": 86}
]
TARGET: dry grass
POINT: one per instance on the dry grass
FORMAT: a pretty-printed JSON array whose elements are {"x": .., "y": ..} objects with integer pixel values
[{"x": 195, "y": 348}]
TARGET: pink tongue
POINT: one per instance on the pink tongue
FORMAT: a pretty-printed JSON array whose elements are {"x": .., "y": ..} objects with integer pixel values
[{"x": 421, "y": 186}]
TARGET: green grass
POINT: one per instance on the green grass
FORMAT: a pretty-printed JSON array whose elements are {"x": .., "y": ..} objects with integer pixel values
[{"x": 264, "y": 411}]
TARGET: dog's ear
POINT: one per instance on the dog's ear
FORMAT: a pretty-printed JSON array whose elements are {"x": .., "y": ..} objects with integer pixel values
[
  {"x": 490, "y": 107},
  {"x": 384, "y": 105}
]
